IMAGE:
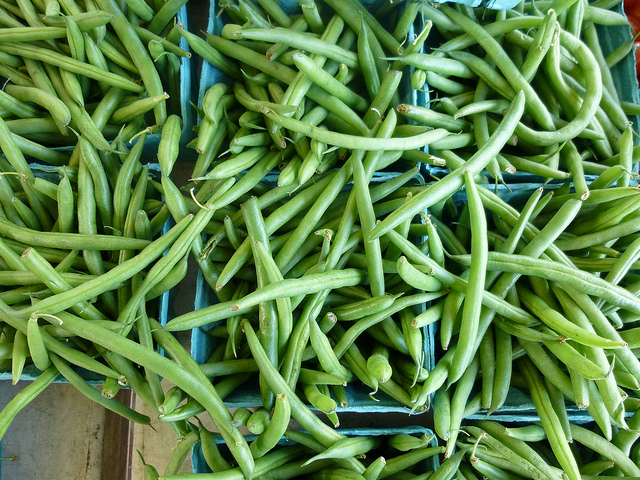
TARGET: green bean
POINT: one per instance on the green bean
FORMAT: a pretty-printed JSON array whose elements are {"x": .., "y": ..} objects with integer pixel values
[
  {"x": 431, "y": 118},
  {"x": 540, "y": 46},
  {"x": 102, "y": 192},
  {"x": 325, "y": 353},
  {"x": 557, "y": 321},
  {"x": 28, "y": 217},
  {"x": 37, "y": 348},
  {"x": 19, "y": 354},
  {"x": 623, "y": 263},
  {"x": 212, "y": 56},
  {"x": 378, "y": 364},
  {"x": 141, "y": 9},
  {"x": 85, "y": 20},
  {"x": 347, "y": 447},
  {"x": 253, "y": 15},
  {"x": 598, "y": 444},
  {"x": 58, "y": 110},
  {"x": 503, "y": 370},
  {"x": 87, "y": 225},
  {"x": 210, "y": 451},
  {"x": 312, "y": 16},
  {"x": 139, "y": 55},
  {"x": 415, "y": 278},
  {"x": 599, "y": 237},
  {"x": 527, "y": 333},
  {"x": 113, "y": 277},
  {"x": 380, "y": 103},
  {"x": 298, "y": 40},
  {"x": 374, "y": 469},
  {"x": 237, "y": 163},
  {"x": 361, "y": 308},
  {"x": 285, "y": 288},
  {"x": 367, "y": 61},
  {"x": 17, "y": 107},
  {"x": 329, "y": 83},
  {"x": 353, "y": 141},
  {"x": 583, "y": 281},
  {"x": 55, "y": 281},
  {"x": 319, "y": 377},
  {"x": 258, "y": 420},
  {"x": 458, "y": 402},
  {"x": 475, "y": 289},
  {"x": 487, "y": 357}
]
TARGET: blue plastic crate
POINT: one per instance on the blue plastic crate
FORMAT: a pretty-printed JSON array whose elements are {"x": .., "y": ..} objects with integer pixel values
[
  {"x": 211, "y": 75},
  {"x": 518, "y": 406},
  {"x": 429, "y": 465},
  {"x": 30, "y": 372},
  {"x": 203, "y": 345},
  {"x": 623, "y": 74}
]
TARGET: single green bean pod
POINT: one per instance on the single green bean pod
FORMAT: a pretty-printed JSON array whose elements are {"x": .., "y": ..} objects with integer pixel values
[
  {"x": 378, "y": 364},
  {"x": 324, "y": 403},
  {"x": 258, "y": 421},
  {"x": 418, "y": 79},
  {"x": 374, "y": 469},
  {"x": 172, "y": 399},
  {"x": 274, "y": 431},
  {"x": 241, "y": 416},
  {"x": 405, "y": 442},
  {"x": 214, "y": 460},
  {"x": 37, "y": 348},
  {"x": 110, "y": 387},
  {"x": 348, "y": 447}
]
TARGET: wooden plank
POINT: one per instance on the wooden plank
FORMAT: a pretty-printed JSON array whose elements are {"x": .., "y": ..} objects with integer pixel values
[{"x": 63, "y": 434}]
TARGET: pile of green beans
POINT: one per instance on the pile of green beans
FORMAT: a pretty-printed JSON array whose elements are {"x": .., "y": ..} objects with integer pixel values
[
  {"x": 90, "y": 228},
  {"x": 90, "y": 68},
  {"x": 331, "y": 258},
  {"x": 384, "y": 454},
  {"x": 267, "y": 237},
  {"x": 494, "y": 450},
  {"x": 567, "y": 267},
  {"x": 575, "y": 123}
]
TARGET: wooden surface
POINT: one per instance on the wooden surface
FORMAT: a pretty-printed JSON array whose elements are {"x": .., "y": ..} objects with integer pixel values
[{"x": 64, "y": 435}]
